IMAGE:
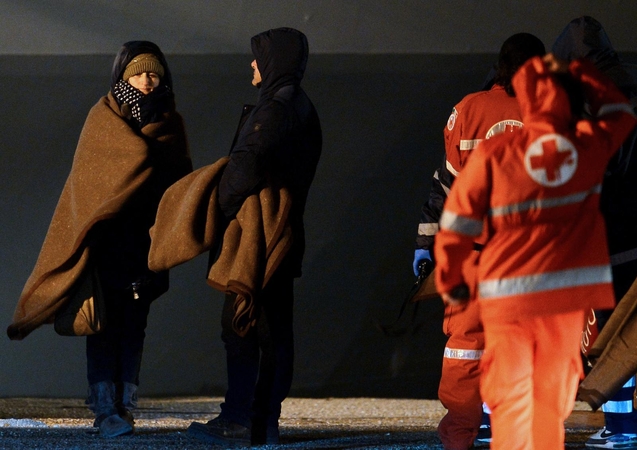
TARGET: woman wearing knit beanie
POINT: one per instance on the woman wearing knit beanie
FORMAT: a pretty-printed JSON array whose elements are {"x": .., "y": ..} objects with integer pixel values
[
  {"x": 132, "y": 148},
  {"x": 142, "y": 96}
]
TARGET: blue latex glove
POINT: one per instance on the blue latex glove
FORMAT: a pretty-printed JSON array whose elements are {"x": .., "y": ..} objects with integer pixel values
[{"x": 419, "y": 255}]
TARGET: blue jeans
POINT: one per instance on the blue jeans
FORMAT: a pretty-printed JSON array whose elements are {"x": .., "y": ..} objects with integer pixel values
[
  {"x": 619, "y": 414},
  {"x": 115, "y": 354}
]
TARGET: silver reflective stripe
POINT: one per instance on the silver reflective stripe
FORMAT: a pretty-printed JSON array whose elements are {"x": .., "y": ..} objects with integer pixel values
[
  {"x": 459, "y": 224},
  {"x": 618, "y": 407},
  {"x": 427, "y": 229},
  {"x": 444, "y": 187},
  {"x": 623, "y": 257},
  {"x": 615, "y": 107},
  {"x": 461, "y": 353},
  {"x": 624, "y": 406},
  {"x": 450, "y": 168},
  {"x": 546, "y": 281},
  {"x": 469, "y": 144},
  {"x": 544, "y": 203}
]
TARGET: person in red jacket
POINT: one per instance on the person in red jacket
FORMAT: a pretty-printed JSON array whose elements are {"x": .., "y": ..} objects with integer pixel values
[
  {"x": 478, "y": 116},
  {"x": 536, "y": 191}
]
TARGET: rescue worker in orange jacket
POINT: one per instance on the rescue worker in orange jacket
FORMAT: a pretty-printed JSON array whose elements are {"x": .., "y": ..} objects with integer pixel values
[
  {"x": 537, "y": 192},
  {"x": 476, "y": 117}
]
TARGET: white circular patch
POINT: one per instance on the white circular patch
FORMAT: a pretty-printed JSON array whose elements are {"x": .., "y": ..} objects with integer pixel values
[
  {"x": 551, "y": 160},
  {"x": 451, "y": 122}
]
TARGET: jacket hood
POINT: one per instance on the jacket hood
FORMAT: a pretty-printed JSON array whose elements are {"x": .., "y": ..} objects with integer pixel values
[
  {"x": 540, "y": 95},
  {"x": 585, "y": 37},
  {"x": 281, "y": 56},
  {"x": 133, "y": 48}
]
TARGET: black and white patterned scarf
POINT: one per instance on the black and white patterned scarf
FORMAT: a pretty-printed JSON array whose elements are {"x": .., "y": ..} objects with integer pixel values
[{"x": 127, "y": 94}]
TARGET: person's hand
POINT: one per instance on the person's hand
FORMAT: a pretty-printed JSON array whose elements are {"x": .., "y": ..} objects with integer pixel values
[
  {"x": 458, "y": 296},
  {"x": 419, "y": 255},
  {"x": 555, "y": 64}
]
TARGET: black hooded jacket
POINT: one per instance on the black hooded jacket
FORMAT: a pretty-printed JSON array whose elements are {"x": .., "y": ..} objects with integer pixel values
[
  {"x": 585, "y": 37},
  {"x": 281, "y": 138}
]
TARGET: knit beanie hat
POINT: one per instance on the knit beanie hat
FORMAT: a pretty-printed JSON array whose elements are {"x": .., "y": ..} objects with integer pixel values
[{"x": 146, "y": 62}]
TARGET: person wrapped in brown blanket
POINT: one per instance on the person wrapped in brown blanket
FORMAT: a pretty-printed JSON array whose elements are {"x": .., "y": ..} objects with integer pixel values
[
  {"x": 132, "y": 147},
  {"x": 190, "y": 222},
  {"x": 112, "y": 163}
]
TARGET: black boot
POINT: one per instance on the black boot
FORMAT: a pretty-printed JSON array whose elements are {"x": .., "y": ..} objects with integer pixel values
[{"x": 101, "y": 401}]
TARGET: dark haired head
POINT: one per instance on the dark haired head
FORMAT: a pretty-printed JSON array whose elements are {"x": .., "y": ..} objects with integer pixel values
[{"x": 515, "y": 51}]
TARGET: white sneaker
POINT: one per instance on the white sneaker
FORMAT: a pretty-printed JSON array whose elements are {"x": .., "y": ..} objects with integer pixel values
[{"x": 607, "y": 439}]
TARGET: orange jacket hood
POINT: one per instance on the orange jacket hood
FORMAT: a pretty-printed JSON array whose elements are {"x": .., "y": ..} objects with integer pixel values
[{"x": 540, "y": 95}]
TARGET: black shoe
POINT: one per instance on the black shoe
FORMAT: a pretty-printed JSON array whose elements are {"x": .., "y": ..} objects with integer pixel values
[{"x": 221, "y": 431}]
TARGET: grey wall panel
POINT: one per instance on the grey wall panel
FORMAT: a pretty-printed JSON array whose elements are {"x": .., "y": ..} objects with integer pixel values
[
  {"x": 345, "y": 26},
  {"x": 382, "y": 118}
]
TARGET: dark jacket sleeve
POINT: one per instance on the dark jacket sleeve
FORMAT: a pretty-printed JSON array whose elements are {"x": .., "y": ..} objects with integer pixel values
[
  {"x": 249, "y": 159},
  {"x": 432, "y": 208}
]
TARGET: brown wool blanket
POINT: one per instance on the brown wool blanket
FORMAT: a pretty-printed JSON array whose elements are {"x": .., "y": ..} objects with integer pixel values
[
  {"x": 188, "y": 223},
  {"x": 613, "y": 354},
  {"x": 111, "y": 163}
]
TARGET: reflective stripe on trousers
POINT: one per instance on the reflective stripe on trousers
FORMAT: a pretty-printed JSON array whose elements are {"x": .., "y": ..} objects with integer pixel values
[{"x": 626, "y": 404}]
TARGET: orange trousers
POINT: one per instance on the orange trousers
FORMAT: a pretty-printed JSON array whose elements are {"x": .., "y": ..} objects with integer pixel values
[
  {"x": 530, "y": 372},
  {"x": 459, "y": 389}
]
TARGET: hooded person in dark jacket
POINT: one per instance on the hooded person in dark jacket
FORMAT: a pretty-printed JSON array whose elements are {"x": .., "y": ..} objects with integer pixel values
[
  {"x": 585, "y": 37},
  {"x": 279, "y": 140}
]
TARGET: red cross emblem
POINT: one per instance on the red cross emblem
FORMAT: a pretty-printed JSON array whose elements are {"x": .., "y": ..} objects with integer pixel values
[{"x": 551, "y": 160}]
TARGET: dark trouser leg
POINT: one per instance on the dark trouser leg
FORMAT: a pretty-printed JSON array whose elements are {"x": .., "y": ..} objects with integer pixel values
[
  {"x": 276, "y": 340},
  {"x": 242, "y": 360},
  {"x": 102, "y": 348},
  {"x": 619, "y": 414},
  {"x": 260, "y": 363},
  {"x": 116, "y": 353},
  {"x": 132, "y": 340}
]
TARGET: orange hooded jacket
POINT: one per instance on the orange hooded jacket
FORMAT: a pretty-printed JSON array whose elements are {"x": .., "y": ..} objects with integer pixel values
[{"x": 537, "y": 190}]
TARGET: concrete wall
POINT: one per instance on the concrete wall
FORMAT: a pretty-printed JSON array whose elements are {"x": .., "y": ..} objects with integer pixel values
[
  {"x": 332, "y": 26},
  {"x": 382, "y": 109}
]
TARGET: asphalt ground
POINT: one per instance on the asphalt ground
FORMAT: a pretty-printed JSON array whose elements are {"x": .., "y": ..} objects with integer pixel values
[{"x": 306, "y": 423}]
